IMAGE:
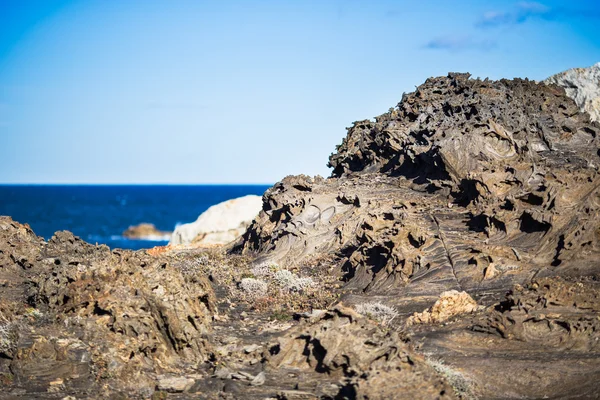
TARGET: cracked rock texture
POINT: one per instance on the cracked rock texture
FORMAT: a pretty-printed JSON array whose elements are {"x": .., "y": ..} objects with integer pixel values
[{"x": 341, "y": 344}]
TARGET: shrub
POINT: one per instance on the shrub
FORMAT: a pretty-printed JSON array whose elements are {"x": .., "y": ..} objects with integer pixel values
[
  {"x": 8, "y": 336},
  {"x": 377, "y": 311},
  {"x": 291, "y": 281},
  {"x": 265, "y": 269},
  {"x": 253, "y": 288},
  {"x": 457, "y": 380}
]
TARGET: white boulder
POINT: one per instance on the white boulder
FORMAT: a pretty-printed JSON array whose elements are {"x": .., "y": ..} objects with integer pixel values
[
  {"x": 583, "y": 86},
  {"x": 220, "y": 224}
]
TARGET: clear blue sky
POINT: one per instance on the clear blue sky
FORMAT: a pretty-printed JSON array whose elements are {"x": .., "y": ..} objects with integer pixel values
[{"x": 243, "y": 91}]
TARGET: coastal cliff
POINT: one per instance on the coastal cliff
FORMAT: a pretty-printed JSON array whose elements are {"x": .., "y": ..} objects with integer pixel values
[{"x": 453, "y": 253}]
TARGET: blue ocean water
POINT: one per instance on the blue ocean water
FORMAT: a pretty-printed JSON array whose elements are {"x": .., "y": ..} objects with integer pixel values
[{"x": 100, "y": 213}]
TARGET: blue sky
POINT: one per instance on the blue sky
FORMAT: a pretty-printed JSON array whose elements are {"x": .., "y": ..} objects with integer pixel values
[{"x": 243, "y": 91}]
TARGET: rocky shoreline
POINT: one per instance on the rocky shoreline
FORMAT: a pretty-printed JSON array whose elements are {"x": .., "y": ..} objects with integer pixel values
[{"x": 453, "y": 253}]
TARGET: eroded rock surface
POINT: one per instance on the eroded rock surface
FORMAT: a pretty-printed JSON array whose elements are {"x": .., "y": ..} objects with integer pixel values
[
  {"x": 469, "y": 186},
  {"x": 462, "y": 224},
  {"x": 341, "y": 345},
  {"x": 466, "y": 185},
  {"x": 84, "y": 314}
]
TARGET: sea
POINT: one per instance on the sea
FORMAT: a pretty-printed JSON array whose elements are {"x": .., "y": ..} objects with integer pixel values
[{"x": 101, "y": 213}]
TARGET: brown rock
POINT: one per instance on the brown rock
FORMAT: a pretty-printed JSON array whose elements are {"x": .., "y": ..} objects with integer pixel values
[
  {"x": 450, "y": 304},
  {"x": 466, "y": 190},
  {"x": 341, "y": 345},
  {"x": 461, "y": 174},
  {"x": 133, "y": 314},
  {"x": 145, "y": 231}
]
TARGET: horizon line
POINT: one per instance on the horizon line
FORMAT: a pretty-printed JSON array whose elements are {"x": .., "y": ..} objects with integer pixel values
[{"x": 130, "y": 184}]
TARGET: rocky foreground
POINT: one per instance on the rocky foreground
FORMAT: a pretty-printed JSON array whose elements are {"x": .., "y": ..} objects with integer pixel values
[{"x": 454, "y": 253}]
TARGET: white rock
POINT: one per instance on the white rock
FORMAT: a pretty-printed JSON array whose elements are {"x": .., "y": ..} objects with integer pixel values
[
  {"x": 583, "y": 86},
  {"x": 258, "y": 379},
  {"x": 250, "y": 348},
  {"x": 174, "y": 384},
  {"x": 221, "y": 223}
]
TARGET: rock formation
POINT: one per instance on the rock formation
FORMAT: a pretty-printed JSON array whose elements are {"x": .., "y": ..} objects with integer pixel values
[
  {"x": 467, "y": 185},
  {"x": 373, "y": 363},
  {"x": 146, "y": 231},
  {"x": 220, "y": 224},
  {"x": 583, "y": 86},
  {"x": 80, "y": 312},
  {"x": 450, "y": 304},
  {"x": 453, "y": 253}
]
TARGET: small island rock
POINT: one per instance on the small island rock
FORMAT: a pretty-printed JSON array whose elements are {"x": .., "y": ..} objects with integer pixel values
[{"x": 146, "y": 231}]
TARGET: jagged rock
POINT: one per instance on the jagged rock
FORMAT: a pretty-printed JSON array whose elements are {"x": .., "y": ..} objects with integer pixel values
[
  {"x": 467, "y": 185},
  {"x": 147, "y": 232},
  {"x": 450, "y": 304},
  {"x": 542, "y": 338},
  {"x": 220, "y": 224},
  {"x": 555, "y": 311},
  {"x": 466, "y": 189},
  {"x": 109, "y": 315},
  {"x": 583, "y": 86},
  {"x": 462, "y": 174},
  {"x": 343, "y": 346},
  {"x": 149, "y": 312}
]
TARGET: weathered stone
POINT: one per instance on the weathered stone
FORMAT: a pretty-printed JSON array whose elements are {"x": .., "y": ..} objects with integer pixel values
[
  {"x": 468, "y": 186},
  {"x": 464, "y": 191},
  {"x": 450, "y": 304},
  {"x": 174, "y": 384},
  {"x": 131, "y": 314},
  {"x": 220, "y": 224},
  {"x": 583, "y": 86},
  {"x": 345, "y": 347},
  {"x": 462, "y": 174}
]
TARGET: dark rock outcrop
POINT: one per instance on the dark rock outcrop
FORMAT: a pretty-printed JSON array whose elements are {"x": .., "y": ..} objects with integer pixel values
[{"x": 372, "y": 363}]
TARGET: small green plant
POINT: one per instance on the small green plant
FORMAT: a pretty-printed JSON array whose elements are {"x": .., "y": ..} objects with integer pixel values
[
  {"x": 281, "y": 316},
  {"x": 159, "y": 395},
  {"x": 33, "y": 313}
]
